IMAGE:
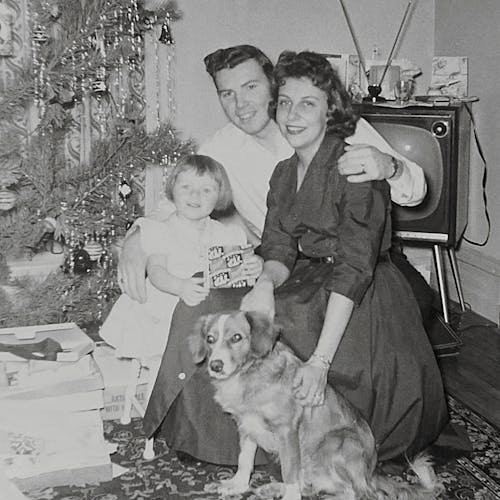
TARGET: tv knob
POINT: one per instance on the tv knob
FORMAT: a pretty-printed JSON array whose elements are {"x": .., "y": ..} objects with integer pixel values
[{"x": 440, "y": 129}]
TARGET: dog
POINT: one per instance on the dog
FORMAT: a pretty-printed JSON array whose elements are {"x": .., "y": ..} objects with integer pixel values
[{"x": 326, "y": 450}]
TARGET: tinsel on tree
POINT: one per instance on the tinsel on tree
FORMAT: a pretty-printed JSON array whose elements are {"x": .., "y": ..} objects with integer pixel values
[{"x": 83, "y": 82}]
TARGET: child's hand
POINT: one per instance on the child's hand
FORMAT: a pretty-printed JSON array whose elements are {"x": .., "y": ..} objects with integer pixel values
[
  {"x": 252, "y": 267},
  {"x": 193, "y": 291}
]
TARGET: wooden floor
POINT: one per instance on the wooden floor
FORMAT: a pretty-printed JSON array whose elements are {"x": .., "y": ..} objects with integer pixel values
[{"x": 473, "y": 376}]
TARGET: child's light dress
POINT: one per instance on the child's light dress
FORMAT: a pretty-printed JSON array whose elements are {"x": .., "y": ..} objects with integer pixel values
[{"x": 141, "y": 330}]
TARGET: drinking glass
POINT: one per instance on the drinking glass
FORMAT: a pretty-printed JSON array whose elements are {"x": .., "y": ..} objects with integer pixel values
[{"x": 403, "y": 90}]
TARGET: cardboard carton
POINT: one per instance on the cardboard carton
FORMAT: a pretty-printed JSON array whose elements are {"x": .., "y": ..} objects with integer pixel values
[{"x": 74, "y": 342}]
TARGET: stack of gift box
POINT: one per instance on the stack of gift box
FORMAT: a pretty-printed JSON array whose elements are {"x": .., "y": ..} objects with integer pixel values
[{"x": 51, "y": 402}]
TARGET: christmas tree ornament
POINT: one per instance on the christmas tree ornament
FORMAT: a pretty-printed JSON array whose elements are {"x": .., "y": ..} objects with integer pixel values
[
  {"x": 99, "y": 86},
  {"x": 81, "y": 261},
  {"x": 7, "y": 199},
  {"x": 55, "y": 11},
  {"x": 39, "y": 35},
  {"x": 66, "y": 98},
  {"x": 147, "y": 21},
  {"x": 124, "y": 190},
  {"x": 166, "y": 33},
  {"x": 94, "y": 250},
  {"x": 49, "y": 224}
]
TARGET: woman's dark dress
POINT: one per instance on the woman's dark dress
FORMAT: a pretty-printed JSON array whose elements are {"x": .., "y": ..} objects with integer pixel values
[{"x": 384, "y": 364}]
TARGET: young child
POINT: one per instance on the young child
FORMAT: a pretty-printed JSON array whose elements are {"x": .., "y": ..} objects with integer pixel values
[{"x": 177, "y": 250}]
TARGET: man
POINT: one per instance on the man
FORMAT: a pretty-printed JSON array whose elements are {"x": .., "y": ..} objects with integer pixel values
[{"x": 250, "y": 146}]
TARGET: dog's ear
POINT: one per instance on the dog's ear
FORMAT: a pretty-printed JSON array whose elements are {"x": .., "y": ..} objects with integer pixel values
[
  {"x": 196, "y": 341},
  {"x": 263, "y": 333}
]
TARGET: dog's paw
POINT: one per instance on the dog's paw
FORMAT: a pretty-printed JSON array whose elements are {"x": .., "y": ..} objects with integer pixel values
[{"x": 233, "y": 486}]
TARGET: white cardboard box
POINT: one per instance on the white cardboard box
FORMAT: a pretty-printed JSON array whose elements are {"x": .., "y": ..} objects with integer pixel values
[
  {"x": 114, "y": 401},
  {"x": 116, "y": 374}
]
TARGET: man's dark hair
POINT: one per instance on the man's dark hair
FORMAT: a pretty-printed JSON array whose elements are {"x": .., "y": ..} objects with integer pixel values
[
  {"x": 341, "y": 118},
  {"x": 232, "y": 56}
]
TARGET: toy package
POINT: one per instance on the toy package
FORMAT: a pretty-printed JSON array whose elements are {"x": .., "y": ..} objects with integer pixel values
[{"x": 224, "y": 266}]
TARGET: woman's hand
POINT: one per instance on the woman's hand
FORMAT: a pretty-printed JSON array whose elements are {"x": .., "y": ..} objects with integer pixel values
[
  {"x": 252, "y": 267},
  {"x": 193, "y": 291},
  {"x": 309, "y": 383},
  {"x": 260, "y": 298}
]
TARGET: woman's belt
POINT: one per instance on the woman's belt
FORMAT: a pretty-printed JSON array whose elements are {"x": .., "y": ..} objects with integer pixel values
[
  {"x": 327, "y": 259},
  {"x": 330, "y": 259}
]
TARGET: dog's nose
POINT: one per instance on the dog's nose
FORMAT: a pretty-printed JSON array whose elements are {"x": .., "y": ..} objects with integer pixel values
[{"x": 216, "y": 365}]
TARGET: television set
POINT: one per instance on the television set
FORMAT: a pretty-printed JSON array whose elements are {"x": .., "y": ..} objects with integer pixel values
[{"x": 436, "y": 138}]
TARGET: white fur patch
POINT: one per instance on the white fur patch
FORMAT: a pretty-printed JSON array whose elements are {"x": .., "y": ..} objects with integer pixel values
[{"x": 221, "y": 322}]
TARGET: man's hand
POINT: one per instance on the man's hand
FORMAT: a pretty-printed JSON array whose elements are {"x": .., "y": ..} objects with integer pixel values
[
  {"x": 362, "y": 162},
  {"x": 193, "y": 291},
  {"x": 132, "y": 268}
]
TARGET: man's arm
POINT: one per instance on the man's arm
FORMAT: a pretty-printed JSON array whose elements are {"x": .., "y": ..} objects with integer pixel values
[
  {"x": 132, "y": 267},
  {"x": 133, "y": 258},
  {"x": 370, "y": 157}
]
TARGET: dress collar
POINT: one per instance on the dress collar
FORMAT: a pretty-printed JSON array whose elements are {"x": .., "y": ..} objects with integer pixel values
[{"x": 328, "y": 145}]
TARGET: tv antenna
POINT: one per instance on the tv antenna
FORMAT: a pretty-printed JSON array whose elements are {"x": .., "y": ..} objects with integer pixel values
[{"x": 374, "y": 90}]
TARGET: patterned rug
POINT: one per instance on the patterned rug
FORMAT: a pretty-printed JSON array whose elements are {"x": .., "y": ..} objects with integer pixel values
[{"x": 167, "y": 477}]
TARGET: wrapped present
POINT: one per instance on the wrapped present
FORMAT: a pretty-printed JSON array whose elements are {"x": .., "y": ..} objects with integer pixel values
[
  {"x": 51, "y": 430},
  {"x": 50, "y": 447},
  {"x": 225, "y": 266}
]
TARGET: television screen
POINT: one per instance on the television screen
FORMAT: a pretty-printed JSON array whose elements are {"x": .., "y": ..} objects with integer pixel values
[{"x": 419, "y": 145}]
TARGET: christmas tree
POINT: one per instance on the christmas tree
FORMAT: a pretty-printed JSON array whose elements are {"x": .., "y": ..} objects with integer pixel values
[{"x": 73, "y": 177}]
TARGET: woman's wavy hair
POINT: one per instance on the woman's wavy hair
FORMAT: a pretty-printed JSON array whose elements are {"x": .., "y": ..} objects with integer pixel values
[
  {"x": 341, "y": 118},
  {"x": 232, "y": 56},
  {"x": 202, "y": 164}
]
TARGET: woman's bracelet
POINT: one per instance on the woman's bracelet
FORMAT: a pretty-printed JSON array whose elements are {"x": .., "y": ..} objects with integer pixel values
[{"x": 324, "y": 360}]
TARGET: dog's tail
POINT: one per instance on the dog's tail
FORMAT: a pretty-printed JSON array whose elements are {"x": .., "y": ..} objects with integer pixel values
[{"x": 426, "y": 487}]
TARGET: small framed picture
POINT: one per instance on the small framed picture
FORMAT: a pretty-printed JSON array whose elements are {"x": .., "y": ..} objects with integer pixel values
[{"x": 339, "y": 62}]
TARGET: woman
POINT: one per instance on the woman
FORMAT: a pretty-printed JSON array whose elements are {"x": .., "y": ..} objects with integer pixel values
[{"x": 346, "y": 310}]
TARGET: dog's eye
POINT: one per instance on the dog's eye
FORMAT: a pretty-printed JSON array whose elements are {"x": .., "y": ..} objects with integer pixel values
[
  {"x": 210, "y": 339},
  {"x": 236, "y": 338}
]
